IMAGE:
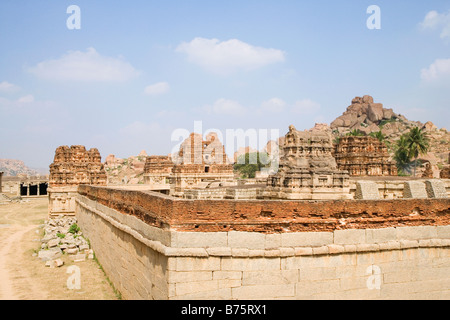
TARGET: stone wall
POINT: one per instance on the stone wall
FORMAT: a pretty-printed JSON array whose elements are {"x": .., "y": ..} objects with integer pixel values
[{"x": 153, "y": 251}]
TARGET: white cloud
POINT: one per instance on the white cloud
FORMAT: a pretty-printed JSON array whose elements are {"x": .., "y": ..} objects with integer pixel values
[
  {"x": 434, "y": 20},
  {"x": 7, "y": 87},
  {"x": 26, "y": 99},
  {"x": 438, "y": 71},
  {"x": 274, "y": 105},
  {"x": 305, "y": 106},
  {"x": 226, "y": 107},
  {"x": 157, "y": 89},
  {"x": 228, "y": 56},
  {"x": 140, "y": 129},
  {"x": 87, "y": 66}
]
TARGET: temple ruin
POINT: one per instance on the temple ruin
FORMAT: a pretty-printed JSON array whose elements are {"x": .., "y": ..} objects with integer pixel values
[
  {"x": 308, "y": 170},
  {"x": 200, "y": 163},
  {"x": 364, "y": 156},
  {"x": 158, "y": 170},
  {"x": 445, "y": 172},
  {"x": 72, "y": 167}
]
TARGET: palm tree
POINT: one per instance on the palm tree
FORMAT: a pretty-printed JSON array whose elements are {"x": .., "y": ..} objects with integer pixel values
[
  {"x": 417, "y": 143},
  {"x": 355, "y": 133},
  {"x": 379, "y": 135},
  {"x": 401, "y": 155}
]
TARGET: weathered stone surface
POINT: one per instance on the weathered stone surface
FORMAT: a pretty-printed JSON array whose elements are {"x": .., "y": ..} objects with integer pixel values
[
  {"x": 71, "y": 167},
  {"x": 363, "y": 111},
  {"x": 415, "y": 190},
  {"x": 199, "y": 162},
  {"x": 375, "y": 112},
  {"x": 307, "y": 169},
  {"x": 436, "y": 189},
  {"x": 50, "y": 254},
  {"x": 364, "y": 156},
  {"x": 367, "y": 190},
  {"x": 75, "y": 166}
]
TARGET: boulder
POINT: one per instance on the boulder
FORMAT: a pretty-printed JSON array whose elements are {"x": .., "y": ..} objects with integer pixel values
[
  {"x": 375, "y": 112},
  {"x": 429, "y": 127},
  {"x": 367, "y": 99},
  {"x": 388, "y": 114}
]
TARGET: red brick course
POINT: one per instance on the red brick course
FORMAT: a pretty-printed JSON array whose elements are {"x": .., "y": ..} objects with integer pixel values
[{"x": 270, "y": 216}]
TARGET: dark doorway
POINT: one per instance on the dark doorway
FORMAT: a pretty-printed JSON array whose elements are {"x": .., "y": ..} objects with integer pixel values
[
  {"x": 33, "y": 190},
  {"x": 43, "y": 189},
  {"x": 23, "y": 190}
]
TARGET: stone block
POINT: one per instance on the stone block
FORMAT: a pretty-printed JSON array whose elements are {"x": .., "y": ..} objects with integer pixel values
[
  {"x": 248, "y": 240},
  {"x": 219, "y": 252},
  {"x": 183, "y": 288},
  {"x": 51, "y": 254},
  {"x": 273, "y": 241},
  {"x": 381, "y": 235},
  {"x": 250, "y": 264},
  {"x": 227, "y": 275},
  {"x": 350, "y": 236},
  {"x": 189, "y": 276},
  {"x": 436, "y": 189},
  {"x": 443, "y": 232},
  {"x": 302, "y": 251},
  {"x": 367, "y": 190},
  {"x": 53, "y": 243},
  {"x": 417, "y": 233},
  {"x": 269, "y": 277},
  {"x": 197, "y": 264},
  {"x": 199, "y": 239},
  {"x": 306, "y": 239},
  {"x": 415, "y": 190}
]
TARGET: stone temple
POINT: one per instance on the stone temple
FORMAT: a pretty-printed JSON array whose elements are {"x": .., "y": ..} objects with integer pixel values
[
  {"x": 364, "y": 156},
  {"x": 307, "y": 169},
  {"x": 158, "y": 170},
  {"x": 199, "y": 163},
  {"x": 72, "y": 167}
]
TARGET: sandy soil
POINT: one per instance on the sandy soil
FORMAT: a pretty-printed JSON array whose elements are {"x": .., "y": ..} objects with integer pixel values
[{"x": 24, "y": 276}]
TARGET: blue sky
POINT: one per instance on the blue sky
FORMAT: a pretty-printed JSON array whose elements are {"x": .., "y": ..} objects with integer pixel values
[{"x": 138, "y": 70}]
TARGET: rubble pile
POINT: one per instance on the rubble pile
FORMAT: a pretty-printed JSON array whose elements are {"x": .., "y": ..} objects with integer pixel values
[{"x": 63, "y": 236}]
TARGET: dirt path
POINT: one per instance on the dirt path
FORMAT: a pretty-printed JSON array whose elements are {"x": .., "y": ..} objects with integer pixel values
[
  {"x": 24, "y": 277},
  {"x": 8, "y": 251}
]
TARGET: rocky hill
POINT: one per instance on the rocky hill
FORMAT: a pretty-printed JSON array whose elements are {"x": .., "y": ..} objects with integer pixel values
[
  {"x": 367, "y": 116},
  {"x": 12, "y": 167}
]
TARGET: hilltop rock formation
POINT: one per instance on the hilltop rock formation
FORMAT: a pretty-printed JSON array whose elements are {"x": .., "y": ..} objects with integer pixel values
[{"x": 364, "y": 115}]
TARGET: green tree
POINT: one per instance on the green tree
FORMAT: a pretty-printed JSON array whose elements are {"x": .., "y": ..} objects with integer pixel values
[
  {"x": 401, "y": 155},
  {"x": 379, "y": 135},
  {"x": 355, "y": 133},
  {"x": 417, "y": 143},
  {"x": 248, "y": 164}
]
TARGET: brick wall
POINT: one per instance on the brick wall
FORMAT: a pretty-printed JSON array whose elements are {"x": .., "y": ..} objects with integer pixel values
[{"x": 271, "y": 216}]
